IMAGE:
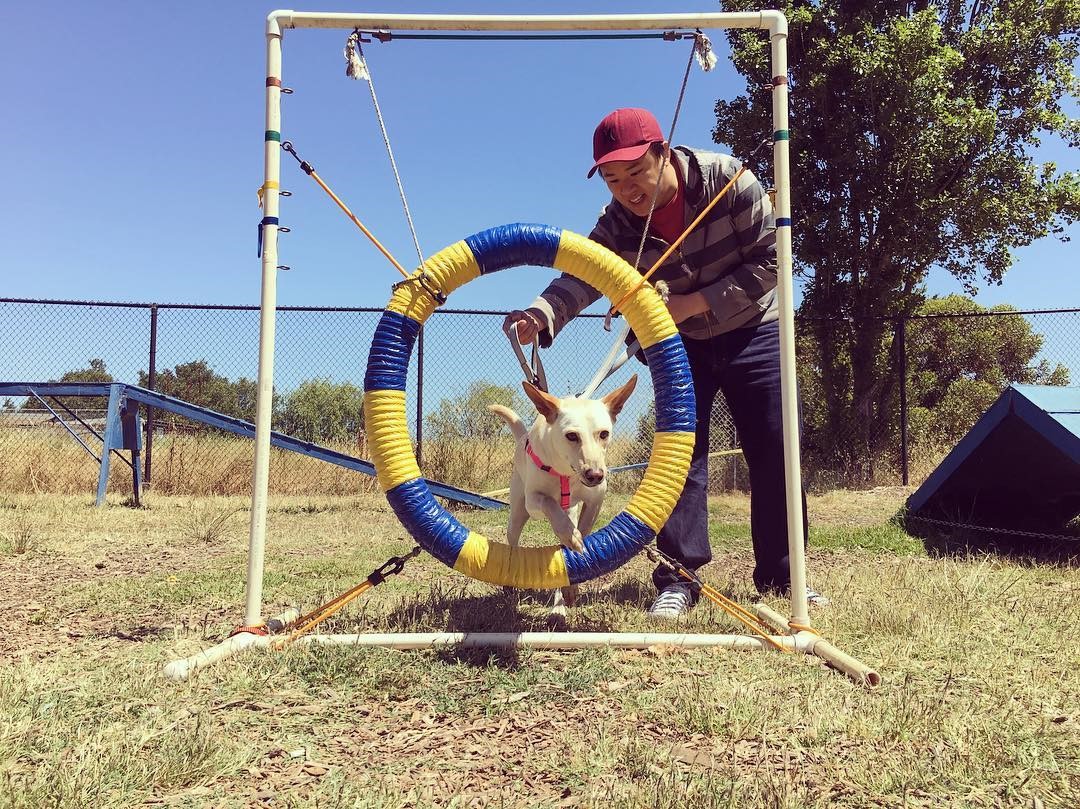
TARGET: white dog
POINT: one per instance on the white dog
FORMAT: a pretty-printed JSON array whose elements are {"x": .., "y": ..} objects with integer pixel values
[{"x": 560, "y": 467}]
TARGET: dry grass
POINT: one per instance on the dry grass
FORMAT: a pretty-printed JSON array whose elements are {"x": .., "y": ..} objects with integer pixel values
[
  {"x": 977, "y": 707},
  {"x": 48, "y": 461},
  {"x": 210, "y": 522},
  {"x": 200, "y": 464}
]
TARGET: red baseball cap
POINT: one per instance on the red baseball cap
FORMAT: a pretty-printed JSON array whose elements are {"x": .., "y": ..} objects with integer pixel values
[{"x": 625, "y": 134}]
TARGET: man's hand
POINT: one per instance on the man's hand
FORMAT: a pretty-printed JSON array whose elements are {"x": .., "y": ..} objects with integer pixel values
[
  {"x": 528, "y": 324},
  {"x": 682, "y": 307}
]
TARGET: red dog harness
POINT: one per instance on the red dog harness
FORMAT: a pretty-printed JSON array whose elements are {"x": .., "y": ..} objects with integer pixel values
[{"x": 564, "y": 480}]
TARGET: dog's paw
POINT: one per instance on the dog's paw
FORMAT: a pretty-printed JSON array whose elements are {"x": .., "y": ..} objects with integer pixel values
[{"x": 574, "y": 542}]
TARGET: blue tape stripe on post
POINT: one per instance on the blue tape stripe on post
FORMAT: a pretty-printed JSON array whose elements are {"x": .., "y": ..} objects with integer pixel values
[
  {"x": 514, "y": 245},
  {"x": 673, "y": 386},
  {"x": 608, "y": 549},
  {"x": 388, "y": 358},
  {"x": 783, "y": 222},
  {"x": 432, "y": 526},
  {"x": 266, "y": 220}
]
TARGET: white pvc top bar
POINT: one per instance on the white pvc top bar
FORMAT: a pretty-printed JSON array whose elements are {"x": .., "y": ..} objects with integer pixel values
[{"x": 772, "y": 20}]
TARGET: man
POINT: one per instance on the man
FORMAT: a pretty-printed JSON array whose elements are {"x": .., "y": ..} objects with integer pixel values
[{"x": 722, "y": 281}]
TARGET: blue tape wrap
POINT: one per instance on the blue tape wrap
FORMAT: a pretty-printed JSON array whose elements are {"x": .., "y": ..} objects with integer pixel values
[
  {"x": 608, "y": 549},
  {"x": 514, "y": 245},
  {"x": 388, "y": 358},
  {"x": 266, "y": 220},
  {"x": 432, "y": 526},
  {"x": 673, "y": 386}
]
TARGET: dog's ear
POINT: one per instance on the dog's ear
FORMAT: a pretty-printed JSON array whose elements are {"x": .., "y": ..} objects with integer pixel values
[
  {"x": 546, "y": 404},
  {"x": 617, "y": 398}
]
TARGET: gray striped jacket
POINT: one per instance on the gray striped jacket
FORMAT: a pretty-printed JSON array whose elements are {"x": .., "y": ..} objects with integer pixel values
[{"x": 730, "y": 257}]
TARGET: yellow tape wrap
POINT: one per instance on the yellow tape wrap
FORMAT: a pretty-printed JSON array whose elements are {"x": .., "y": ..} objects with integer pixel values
[
  {"x": 603, "y": 270},
  {"x": 446, "y": 271},
  {"x": 526, "y": 568},
  {"x": 662, "y": 484},
  {"x": 388, "y": 437}
]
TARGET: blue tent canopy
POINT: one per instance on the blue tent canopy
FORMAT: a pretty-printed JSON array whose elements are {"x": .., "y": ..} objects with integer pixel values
[{"x": 1018, "y": 467}]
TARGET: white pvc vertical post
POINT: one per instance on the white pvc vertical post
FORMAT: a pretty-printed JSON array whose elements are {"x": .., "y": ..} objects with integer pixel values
[
  {"x": 777, "y": 25},
  {"x": 267, "y": 306}
]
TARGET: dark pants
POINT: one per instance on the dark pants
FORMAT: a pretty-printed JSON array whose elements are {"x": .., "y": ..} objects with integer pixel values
[{"x": 745, "y": 365}]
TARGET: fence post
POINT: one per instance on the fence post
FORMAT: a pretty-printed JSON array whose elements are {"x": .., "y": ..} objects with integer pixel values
[
  {"x": 151, "y": 377},
  {"x": 420, "y": 399},
  {"x": 901, "y": 347}
]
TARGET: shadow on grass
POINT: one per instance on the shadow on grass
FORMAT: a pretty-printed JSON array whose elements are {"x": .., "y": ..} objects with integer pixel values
[
  {"x": 623, "y": 592},
  {"x": 138, "y": 634},
  {"x": 505, "y": 610},
  {"x": 957, "y": 537}
]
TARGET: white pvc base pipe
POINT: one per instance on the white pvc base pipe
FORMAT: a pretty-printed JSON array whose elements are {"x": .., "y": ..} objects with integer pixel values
[
  {"x": 816, "y": 645},
  {"x": 546, "y": 640},
  {"x": 182, "y": 669},
  {"x": 802, "y": 641}
]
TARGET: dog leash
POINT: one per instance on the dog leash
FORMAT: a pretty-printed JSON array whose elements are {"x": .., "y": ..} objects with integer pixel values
[
  {"x": 534, "y": 372},
  {"x": 564, "y": 480},
  {"x": 613, "y": 361}
]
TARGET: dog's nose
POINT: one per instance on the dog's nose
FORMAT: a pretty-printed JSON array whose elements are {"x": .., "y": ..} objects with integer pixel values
[{"x": 593, "y": 476}]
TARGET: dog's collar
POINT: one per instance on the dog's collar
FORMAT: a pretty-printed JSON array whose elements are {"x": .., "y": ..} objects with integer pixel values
[{"x": 564, "y": 480}]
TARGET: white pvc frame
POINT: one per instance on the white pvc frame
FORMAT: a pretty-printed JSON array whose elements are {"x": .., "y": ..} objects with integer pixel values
[{"x": 772, "y": 21}]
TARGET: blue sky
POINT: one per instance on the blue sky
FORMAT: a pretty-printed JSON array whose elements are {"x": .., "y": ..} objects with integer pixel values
[{"x": 133, "y": 151}]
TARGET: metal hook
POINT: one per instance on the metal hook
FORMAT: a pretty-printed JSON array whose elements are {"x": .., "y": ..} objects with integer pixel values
[{"x": 288, "y": 147}]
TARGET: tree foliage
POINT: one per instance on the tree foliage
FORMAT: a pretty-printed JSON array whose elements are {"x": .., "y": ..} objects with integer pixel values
[
  {"x": 465, "y": 444},
  {"x": 960, "y": 356},
  {"x": 196, "y": 382},
  {"x": 912, "y": 128},
  {"x": 959, "y": 365},
  {"x": 467, "y": 416},
  {"x": 323, "y": 411},
  {"x": 95, "y": 371}
]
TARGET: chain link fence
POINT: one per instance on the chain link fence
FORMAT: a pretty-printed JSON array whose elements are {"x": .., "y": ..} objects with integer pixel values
[{"x": 208, "y": 355}]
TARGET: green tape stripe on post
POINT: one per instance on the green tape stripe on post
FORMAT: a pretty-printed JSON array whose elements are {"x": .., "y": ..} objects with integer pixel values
[
  {"x": 273, "y": 134},
  {"x": 781, "y": 134}
]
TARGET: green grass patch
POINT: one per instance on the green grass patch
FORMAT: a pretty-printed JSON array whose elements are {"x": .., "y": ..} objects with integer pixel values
[{"x": 888, "y": 538}]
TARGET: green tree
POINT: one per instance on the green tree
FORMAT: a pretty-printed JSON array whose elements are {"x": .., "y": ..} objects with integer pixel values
[
  {"x": 959, "y": 365},
  {"x": 956, "y": 367},
  {"x": 321, "y": 411},
  {"x": 95, "y": 371},
  {"x": 912, "y": 128},
  {"x": 197, "y": 383},
  {"x": 467, "y": 416},
  {"x": 465, "y": 444}
]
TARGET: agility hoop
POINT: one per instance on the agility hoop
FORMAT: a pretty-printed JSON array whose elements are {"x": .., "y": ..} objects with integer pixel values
[{"x": 433, "y": 527}]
